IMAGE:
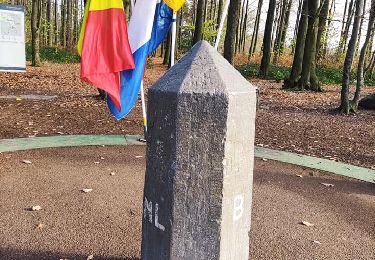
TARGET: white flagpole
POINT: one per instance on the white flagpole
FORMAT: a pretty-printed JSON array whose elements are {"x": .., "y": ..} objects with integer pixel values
[
  {"x": 174, "y": 32},
  {"x": 144, "y": 113},
  {"x": 220, "y": 30}
]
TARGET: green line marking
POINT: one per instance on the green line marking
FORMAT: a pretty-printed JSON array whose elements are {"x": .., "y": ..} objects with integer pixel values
[
  {"x": 355, "y": 172},
  {"x": 19, "y": 144}
]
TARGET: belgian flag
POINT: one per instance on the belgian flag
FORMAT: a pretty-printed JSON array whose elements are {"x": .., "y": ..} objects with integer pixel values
[{"x": 104, "y": 46}]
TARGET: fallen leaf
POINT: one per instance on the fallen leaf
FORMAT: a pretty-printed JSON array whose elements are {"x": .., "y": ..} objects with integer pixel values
[
  {"x": 96, "y": 162},
  {"x": 317, "y": 242},
  {"x": 36, "y": 208},
  {"x": 101, "y": 158},
  {"x": 307, "y": 224},
  {"x": 139, "y": 156},
  {"x": 40, "y": 226},
  {"x": 27, "y": 162},
  {"x": 327, "y": 185},
  {"x": 90, "y": 257},
  {"x": 87, "y": 190},
  {"x": 264, "y": 159},
  {"x": 299, "y": 175},
  {"x": 18, "y": 99},
  {"x": 113, "y": 173}
]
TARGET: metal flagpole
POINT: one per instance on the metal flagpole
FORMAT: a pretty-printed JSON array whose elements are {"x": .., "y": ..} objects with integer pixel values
[
  {"x": 220, "y": 30},
  {"x": 174, "y": 32},
  {"x": 144, "y": 113}
]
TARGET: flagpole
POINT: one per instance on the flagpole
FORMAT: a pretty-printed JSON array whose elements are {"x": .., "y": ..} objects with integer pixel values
[
  {"x": 221, "y": 26},
  {"x": 174, "y": 32},
  {"x": 144, "y": 113}
]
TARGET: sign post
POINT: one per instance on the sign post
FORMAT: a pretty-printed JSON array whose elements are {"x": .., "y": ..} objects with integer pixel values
[
  {"x": 200, "y": 153},
  {"x": 12, "y": 38}
]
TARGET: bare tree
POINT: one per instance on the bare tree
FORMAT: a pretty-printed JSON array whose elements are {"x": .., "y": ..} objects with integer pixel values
[
  {"x": 36, "y": 20},
  {"x": 232, "y": 24},
  {"x": 267, "y": 40},
  {"x": 347, "y": 106}
]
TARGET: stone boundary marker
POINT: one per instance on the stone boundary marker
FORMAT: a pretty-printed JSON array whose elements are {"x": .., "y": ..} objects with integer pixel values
[{"x": 200, "y": 155}]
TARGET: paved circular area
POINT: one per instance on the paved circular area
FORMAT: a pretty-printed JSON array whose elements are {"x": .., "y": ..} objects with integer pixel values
[{"x": 106, "y": 222}]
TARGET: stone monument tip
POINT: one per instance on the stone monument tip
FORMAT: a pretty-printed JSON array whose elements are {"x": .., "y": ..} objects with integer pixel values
[{"x": 200, "y": 69}]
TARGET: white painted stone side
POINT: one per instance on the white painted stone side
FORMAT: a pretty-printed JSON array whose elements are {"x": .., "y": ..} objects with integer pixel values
[{"x": 238, "y": 176}]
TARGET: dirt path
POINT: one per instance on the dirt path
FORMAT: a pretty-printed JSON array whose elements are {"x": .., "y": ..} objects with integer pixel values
[{"x": 107, "y": 221}]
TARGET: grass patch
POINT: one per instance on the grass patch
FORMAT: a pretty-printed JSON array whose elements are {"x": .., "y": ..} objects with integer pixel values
[
  {"x": 327, "y": 75},
  {"x": 54, "y": 55}
]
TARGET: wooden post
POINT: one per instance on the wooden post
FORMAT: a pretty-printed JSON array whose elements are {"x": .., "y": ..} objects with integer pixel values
[{"x": 200, "y": 151}]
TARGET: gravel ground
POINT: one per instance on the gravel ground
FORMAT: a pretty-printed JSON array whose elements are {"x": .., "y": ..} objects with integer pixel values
[{"x": 106, "y": 222}]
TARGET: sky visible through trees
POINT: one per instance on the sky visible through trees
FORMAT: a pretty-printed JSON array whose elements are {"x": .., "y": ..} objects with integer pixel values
[{"x": 334, "y": 32}]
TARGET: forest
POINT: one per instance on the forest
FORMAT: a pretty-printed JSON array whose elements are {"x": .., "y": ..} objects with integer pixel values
[{"x": 303, "y": 43}]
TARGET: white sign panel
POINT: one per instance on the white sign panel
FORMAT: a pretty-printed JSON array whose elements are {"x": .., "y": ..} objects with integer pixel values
[{"x": 12, "y": 38}]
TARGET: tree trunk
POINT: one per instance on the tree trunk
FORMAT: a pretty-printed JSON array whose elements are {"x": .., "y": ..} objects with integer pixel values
[
  {"x": 219, "y": 12},
  {"x": 276, "y": 49},
  {"x": 298, "y": 18},
  {"x": 232, "y": 24},
  {"x": 264, "y": 66},
  {"x": 345, "y": 32},
  {"x": 167, "y": 50},
  {"x": 362, "y": 59},
  {"x": 63, "y": 23},
  {"x": 322, "y": 29},
  {"x": 56, "y": 29},
  {"x": 292, "y": 81},
  {"x": 254, "y": 37},
  {"x": 309, "y": 80},
  {"x": 244, "y": 29},
  {"x": 332, "y": 11},
  {"x": 285, "y": 27},
  {"x": 69, "y": 34},
  {"x": 35, "y": 32},
  {"x": 360, "y": 29},
  {"x": 198, "y": 32},
  {"x": 49, "y": 22},
  {"x": 345, "y": 104}
]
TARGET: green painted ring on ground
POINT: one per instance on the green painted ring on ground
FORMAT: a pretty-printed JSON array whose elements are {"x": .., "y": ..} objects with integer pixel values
[{"x": 19, "y": 144}]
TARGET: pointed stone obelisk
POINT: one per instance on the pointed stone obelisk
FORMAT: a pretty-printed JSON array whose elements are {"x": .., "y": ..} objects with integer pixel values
[{"x": 200, "y": 153}]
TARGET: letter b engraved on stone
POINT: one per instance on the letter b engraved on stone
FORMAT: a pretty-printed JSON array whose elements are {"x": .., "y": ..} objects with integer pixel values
[{"x": 238, "y": 207}]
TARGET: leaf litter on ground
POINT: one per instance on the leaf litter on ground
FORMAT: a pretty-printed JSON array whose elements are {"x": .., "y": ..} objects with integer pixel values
[
  {"x": 329, "y": 185},
  {"x": 36, "y": 208},
  {"x": 307, "y": 224},
  {"x": 27, "y": 162}
]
